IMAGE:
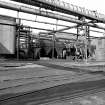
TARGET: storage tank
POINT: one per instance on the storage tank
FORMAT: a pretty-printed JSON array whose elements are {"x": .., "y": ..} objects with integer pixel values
[{"x": 7, "y": 35}]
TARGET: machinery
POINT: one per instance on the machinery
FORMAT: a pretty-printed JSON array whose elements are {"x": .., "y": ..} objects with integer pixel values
[
  {"x": 25, "y": 46},
  {"x": 50, "y": 48},
  {"x": 17, "y": 41}
]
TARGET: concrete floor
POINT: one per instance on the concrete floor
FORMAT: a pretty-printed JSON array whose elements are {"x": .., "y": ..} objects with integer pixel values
[
  {"x": 91, "y": 99},
  {"x": 19, "y": 77},
  {"x": 19, "y": 74}
]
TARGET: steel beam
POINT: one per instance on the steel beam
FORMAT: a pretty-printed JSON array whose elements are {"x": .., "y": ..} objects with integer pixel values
[
  {"x": 60, "y": 6},
  {"x": 50, "y": 30},
  {"x": 60, "y": 30},
  {"x": 45, "y": 14},
  {"x": 39, "y": 12},
  {"x": 50, "y": 24},
  {"x": 37, "y": 21}
]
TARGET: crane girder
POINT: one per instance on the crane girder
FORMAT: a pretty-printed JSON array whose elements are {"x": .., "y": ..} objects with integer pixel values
[
  {"x": 60, "y": 6},
  {"x": 39, "y": 12}
]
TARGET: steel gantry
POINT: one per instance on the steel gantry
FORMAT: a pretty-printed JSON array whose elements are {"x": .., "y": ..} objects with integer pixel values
[
  {"x": 60, "y": 6},
  {"x": 39, "y": 12}
]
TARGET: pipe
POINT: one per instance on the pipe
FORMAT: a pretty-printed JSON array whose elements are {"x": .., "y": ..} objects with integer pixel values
[
  {"x": 44, "y": 13},
  {"x": 37, "y": 12},
  {"x": 47, "y": 23},
  {"x": 60, "y": 6}
]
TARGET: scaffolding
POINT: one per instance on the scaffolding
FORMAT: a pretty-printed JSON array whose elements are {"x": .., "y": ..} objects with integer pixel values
[{"x": 23, "y": 41}]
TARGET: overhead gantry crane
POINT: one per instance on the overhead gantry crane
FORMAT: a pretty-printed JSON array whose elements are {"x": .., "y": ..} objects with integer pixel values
[
  {"x": 67, "y": 8},
  {"x": 80, "y": 12},
  {"x": 40, "y": 12},
  {"x": 60, "y": 7}
]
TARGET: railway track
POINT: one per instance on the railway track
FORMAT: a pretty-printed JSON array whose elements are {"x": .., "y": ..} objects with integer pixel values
[{"x": 61, "y": 92}]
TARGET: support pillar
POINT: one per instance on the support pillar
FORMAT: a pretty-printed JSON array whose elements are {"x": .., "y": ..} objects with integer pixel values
[
  {"x": 18, "y": 34},
  {"x": 77, "y": 32},
  {"x": 86, "y": 32},
  {"x": 53, "y": 47}
]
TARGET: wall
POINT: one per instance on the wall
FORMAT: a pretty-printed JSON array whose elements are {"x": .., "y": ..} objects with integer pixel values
[
  {"x": 100, "y": 49},
  {"x": 7, "y": 35}
]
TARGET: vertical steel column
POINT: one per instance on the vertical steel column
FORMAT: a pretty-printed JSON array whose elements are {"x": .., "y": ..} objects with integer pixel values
[
  {"x": 83, "y": 19},
  {"x": 79, "y": 18},
  {"x": 28, "y": 41},
  {"x": 53, "y": 45},
  {"x": 88, "y": 35},
  {"x": 86, "y": 41},
  {"x": 54, "y": 40},
  {"x": 77, "y": 32},
  {"x": 18, "y": 36}
]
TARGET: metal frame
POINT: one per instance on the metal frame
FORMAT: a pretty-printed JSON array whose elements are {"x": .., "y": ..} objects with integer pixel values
[
  {"x": 67, "y": 8},
  {"x": 45, "y": 14},
  {"x": 54, "y": 16}
]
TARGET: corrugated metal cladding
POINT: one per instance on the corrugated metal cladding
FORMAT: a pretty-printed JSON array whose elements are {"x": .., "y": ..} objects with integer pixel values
[{"x": 7, "y": 35}]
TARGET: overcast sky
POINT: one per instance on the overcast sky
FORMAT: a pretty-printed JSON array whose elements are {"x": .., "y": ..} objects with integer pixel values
[{"x": 97, "y": 5}]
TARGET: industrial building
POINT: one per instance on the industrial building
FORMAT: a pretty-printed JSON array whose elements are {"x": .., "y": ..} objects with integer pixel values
[
  {"x": 21, "y": 40},
  {"x": 53, "y": 61}
]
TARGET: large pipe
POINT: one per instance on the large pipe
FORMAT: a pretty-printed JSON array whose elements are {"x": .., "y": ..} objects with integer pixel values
[
  {"x": 44, "y": 13},
  {"x": 37, "y": 12},
  {"x": 60, "y": 6}
]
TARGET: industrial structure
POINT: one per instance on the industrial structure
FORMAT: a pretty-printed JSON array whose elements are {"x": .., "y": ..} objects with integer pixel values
[{"x": 23, "y": 44}]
